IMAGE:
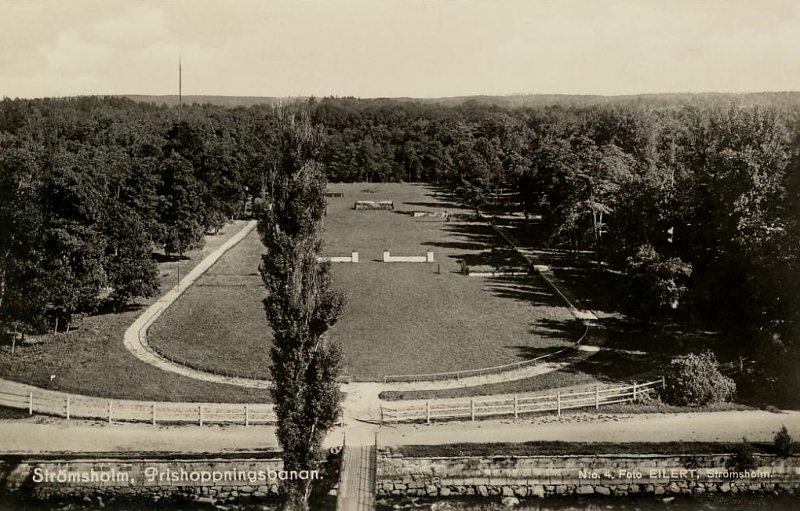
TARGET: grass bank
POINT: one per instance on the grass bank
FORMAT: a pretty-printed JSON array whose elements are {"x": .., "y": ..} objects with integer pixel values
[
  {"x": 538, "y": 448},
  {"x": 92, "y": 359}
]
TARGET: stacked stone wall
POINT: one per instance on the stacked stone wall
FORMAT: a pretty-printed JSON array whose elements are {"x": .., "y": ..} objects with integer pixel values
[{"x": 545, "y": 476}]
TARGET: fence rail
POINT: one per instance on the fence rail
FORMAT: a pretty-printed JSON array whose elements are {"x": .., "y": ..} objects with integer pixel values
[
  {"x": 69, "y": 406},
  {"x": 517, "y": 405}
]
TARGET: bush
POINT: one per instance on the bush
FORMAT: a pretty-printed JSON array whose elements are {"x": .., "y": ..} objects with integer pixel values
[
  {"x": 743, "y": 458},
  {"x": 655, "y": 284},
  {"x": 695, "y": 380},
  {"x": 784, "y": 445}
]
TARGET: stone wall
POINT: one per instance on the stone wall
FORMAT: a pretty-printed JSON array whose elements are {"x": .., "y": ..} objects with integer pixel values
[
  {"x": 541, "y": 476},
  {"x": 209, "y": 480}
]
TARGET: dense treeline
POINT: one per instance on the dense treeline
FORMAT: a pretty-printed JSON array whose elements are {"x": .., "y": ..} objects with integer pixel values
[
  {"x": 92, "y": 187},
  {"x": 694, "y": 201}
]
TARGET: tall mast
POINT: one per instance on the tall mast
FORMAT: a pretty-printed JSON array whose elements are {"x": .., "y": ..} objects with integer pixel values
[{"x": 180, "y": 92}]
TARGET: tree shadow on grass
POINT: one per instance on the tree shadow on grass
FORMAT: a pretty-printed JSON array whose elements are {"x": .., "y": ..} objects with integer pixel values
[
  {"x": 566, "y": 331},
  {"x": 111, "y": 307},
  {"x": 489, "y": 250},
  {"x": 434, "y": 204},
  {"x": 456, "y": 245},
  {"x": 615, "y": 366},
  {"x": 596, "y": 290},
  {"x": 668, "y": 339},
  {"x": 531, "y": 290},
  {"x": 530, "y": 352},
  {"x": 477, "y": 232}
]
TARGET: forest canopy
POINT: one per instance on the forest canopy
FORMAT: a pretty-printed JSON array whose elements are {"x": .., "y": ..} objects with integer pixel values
[{"x": 694, "y": 200}]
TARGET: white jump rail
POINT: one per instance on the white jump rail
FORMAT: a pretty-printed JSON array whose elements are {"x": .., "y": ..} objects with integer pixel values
[
  {"x": 72, "y": 406},
  {"x": 518, "y": 405}
]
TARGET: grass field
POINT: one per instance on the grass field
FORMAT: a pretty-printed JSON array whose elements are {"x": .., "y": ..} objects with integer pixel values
[
  {"x": 92, "y": 359},
  {"x": 402, "y": 318}
]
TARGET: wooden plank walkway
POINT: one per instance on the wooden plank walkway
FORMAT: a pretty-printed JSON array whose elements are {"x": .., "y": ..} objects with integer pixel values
[{"x": 357, "y": 488}]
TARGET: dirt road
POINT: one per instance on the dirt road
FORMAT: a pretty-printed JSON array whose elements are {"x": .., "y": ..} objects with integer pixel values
[{"x": 57, "y": 435}]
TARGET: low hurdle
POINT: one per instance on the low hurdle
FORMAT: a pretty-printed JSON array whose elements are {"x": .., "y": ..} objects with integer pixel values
[
  {"x": 389, "y": 258},
  {"x": 352, "y": 258}
]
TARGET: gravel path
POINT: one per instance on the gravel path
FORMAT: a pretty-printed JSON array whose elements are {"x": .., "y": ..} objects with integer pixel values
[
  {"x": 38, "y": 435},
  {"x": 136, "y": 336}
]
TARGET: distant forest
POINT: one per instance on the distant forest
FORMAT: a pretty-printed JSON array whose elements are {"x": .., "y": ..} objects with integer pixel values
[{"x": 693, "y": 199}]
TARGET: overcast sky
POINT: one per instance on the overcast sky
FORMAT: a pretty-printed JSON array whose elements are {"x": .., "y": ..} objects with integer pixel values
[{"x": 397, "y": 48}]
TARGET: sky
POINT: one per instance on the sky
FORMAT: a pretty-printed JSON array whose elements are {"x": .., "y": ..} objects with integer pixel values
[{"x": 388, "y": 48}]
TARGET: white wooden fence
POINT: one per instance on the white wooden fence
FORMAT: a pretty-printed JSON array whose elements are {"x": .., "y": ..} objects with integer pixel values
[
  {"x": 40, "y": 401},
  {"x": 515, "y": 406}
]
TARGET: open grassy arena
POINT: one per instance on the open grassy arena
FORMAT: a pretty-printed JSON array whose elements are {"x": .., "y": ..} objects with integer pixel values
[
  {"x": 92, "y": 359},
  {"x": 402, "y": 318}
]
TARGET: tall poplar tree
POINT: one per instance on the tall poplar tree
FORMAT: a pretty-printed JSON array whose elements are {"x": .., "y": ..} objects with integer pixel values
[{"x": 301, "y": 306}]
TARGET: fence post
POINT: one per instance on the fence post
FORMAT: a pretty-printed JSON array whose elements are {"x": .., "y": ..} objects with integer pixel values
[
  {"x": 381, "y": 420},
  {"x": 516, "y": 407},
  {"x": 67, "y": 406},
  {"x": 596, "y": 397},
  {"x": 472, "y": 408},
  {"x": 153, "y": 408},
  {"x": 109, "y": 411},
  {"x": 30, "y": 403},
  {"x": 558, "y": 402},
  {"x": 428, "y": 412},
  {"x": 201, "y": 414},
  {"x": 634, "y": 391},
  {"x": 663, "y": 382},
  {"x": 246, "y": 415}
]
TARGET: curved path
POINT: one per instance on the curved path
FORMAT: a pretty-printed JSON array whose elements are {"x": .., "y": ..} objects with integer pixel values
[
  {"x": 136, "y": 335},
  {"x": 135, "y": 338}
]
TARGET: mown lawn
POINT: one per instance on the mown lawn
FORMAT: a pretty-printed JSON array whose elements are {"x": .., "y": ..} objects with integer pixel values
[
  {"x": 92, "y": 359},
  {"x": 401, "y": 318},
  {"x": 219, "y": 322}
]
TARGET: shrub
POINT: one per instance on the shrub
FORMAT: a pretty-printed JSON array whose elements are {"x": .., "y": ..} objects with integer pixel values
[
  {"x": 695, "y": 380},
  {"x": 784, "y": 445},
  {"x": 655, "y": 284},
  {"x": 743, "y": 458}
]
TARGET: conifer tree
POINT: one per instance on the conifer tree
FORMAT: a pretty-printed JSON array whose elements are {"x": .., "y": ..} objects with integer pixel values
[{"x": 301, "y": 306}]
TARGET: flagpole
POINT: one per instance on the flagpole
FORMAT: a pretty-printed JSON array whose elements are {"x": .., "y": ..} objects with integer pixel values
[{"x": 180, "y": 91}]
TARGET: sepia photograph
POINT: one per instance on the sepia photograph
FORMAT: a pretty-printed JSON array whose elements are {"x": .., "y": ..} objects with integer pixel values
[{"x": 364, "y": 255}]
